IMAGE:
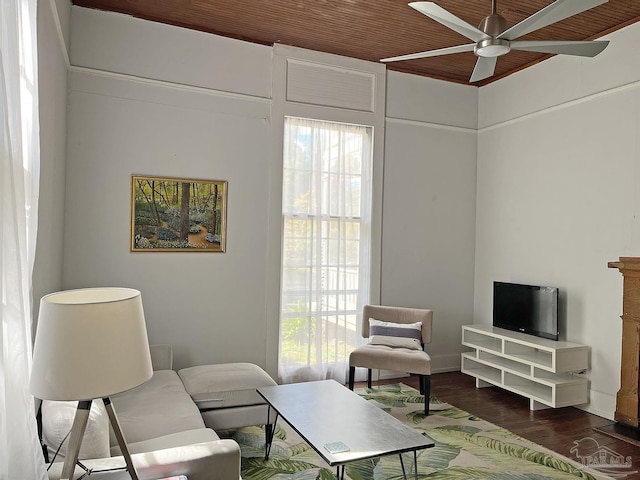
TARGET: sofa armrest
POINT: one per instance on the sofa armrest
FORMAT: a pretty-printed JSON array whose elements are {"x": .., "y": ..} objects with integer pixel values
[
  {"x": 161, "y": 357},
  {"x": 218, "y": 460}
]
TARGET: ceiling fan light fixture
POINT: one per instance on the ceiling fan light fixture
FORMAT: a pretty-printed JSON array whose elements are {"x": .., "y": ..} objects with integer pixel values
[{"x": 492, "y": 47}]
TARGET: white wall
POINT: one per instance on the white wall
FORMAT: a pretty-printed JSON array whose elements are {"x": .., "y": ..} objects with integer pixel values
[
  {"x": 116, "y": 43},
  {"x": 170, "y": 120},
  {"x": 429, "y": 206},
  {"x": 53, "y": 21},
  {"x": 139, "y": 105},
  {"x": 558, "y": 182}
]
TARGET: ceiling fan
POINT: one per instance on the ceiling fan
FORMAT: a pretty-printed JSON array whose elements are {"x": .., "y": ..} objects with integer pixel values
[{"x": 493, "y": 39}]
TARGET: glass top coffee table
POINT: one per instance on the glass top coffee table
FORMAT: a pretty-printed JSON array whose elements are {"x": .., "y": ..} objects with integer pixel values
[{"x": 340, "y": 425}]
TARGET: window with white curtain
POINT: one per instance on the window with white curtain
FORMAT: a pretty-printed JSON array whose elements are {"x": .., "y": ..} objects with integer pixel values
[
  {"x": 20, "y": 453},
  {"x": 326, "y": 208}
]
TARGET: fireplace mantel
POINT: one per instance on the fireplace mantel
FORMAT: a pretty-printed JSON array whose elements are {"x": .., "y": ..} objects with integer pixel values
[{"x": 627, "y": 397}]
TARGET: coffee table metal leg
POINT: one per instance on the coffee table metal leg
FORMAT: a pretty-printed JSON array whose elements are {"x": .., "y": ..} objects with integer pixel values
[
  {"x": 269, "y": 432},
  {"x": 404, "y": 473},
  {"x": 415, "y": 465},
  {"x": 340, "y": 472}
]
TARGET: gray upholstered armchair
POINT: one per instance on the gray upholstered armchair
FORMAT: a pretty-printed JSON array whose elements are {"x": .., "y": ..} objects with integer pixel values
[{"x": 396, "y": 342}]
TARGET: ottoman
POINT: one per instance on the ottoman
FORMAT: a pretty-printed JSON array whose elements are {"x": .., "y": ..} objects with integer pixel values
[{"x": 229, "y": 377}]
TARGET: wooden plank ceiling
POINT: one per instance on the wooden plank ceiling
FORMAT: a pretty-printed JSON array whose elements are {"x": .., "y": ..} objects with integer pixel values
[{"x": 374, "y": 29}]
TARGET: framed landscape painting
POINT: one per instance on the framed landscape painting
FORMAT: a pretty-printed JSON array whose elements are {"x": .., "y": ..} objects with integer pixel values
[{"x": 178, "y": 214}]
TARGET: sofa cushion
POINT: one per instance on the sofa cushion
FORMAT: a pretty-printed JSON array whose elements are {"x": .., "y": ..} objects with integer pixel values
[
  {"x": 180, "y": 439},
  {"x": 224, "y": 377},
  {"x": 404, "y": 335},
  {"x": 158, "y": 407},
  {"x": 57, "y": 419}
]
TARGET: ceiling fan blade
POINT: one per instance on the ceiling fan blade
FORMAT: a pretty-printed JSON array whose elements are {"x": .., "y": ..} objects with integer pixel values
[
  {"x": 558, "y": 10},
  {"x": 433, "y": 53},
  {"x": 582, "y": 49},
  {"x": 448, "y": 19},
  {"x": 485, "y": 66}
]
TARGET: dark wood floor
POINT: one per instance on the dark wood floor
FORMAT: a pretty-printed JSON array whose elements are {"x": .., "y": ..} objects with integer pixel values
[{"x": 556, "y": 429}]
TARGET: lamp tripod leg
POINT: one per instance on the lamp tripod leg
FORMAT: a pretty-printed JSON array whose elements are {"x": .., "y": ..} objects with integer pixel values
[
  {"x": 120, "y": 437},
  {"x": 75, "y": 439}
]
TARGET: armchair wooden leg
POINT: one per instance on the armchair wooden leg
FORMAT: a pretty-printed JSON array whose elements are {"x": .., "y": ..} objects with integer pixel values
[
  {"x": 369, "y": 378},
  {"x": 352, "y": 374}
]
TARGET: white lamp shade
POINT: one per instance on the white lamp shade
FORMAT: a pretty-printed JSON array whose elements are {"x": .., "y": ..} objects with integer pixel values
[{"x": 90, "y": 343}]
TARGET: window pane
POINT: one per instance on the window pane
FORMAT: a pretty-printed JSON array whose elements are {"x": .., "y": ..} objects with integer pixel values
[{"x": 326, "y": 187}]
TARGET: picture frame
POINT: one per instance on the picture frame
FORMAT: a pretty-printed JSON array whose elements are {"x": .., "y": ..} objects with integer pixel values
[{"x": 172, "y": 214}]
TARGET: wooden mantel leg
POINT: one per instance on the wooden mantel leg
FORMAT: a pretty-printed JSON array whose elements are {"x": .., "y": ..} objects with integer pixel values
[{"x": 627, "y": 397}]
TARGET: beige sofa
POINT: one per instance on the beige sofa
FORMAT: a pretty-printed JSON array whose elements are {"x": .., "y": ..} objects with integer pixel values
[{"x": 163, "y": 427}]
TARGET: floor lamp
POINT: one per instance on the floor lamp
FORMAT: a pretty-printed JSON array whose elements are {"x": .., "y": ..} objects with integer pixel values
[{"x": 90, "y": 344}]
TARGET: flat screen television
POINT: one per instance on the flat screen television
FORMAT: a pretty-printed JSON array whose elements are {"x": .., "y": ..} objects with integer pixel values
[{"x": 530, "y": 309}]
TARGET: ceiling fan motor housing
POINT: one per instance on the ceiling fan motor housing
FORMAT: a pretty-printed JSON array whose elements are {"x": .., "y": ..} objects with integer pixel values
[{"x": 493, "y": 25}]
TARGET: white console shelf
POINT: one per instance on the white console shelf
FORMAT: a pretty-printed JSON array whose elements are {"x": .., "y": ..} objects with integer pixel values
[{"x": 541, "y": 370}]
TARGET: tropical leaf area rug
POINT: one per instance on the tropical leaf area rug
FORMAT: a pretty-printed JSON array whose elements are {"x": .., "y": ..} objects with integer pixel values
[{"x": 466, "y": 447}]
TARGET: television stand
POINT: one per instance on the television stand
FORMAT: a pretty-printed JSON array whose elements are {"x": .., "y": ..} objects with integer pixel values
[{"x": 544, "y": 371}]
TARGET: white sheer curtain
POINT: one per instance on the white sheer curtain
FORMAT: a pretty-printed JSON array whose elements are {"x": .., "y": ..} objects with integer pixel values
[
  {"x": 326, "y": 246},
  {"x": 20, "y": 454}
]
